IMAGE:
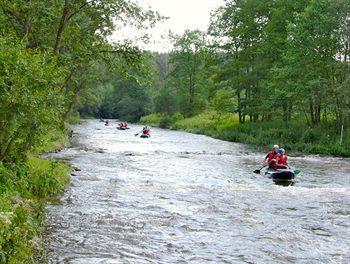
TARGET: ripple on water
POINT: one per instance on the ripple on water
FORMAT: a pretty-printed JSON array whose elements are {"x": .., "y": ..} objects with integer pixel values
[{"x": 183, "y": 198}]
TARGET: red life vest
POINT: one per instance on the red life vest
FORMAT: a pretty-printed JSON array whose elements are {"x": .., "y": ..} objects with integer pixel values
[
  {"x": 283, "y": 160},
  {"x": 272, "y": 155},
  {"x": 146, "y": 131},
  {"x": 123, "y": 124}
]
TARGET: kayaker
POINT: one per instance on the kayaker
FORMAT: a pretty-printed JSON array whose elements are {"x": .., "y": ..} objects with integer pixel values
[
  {"x": 270, "y": 158},
  {"x": 107, "y": 122},
  {"x": 146, "y": 131},
  {"x": 281, "y": 159}
]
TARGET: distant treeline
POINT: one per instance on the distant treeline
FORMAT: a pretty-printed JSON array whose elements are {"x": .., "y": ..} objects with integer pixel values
[
  {"x": 278, "y": 61},
  {"x": 261, "y": 59}
]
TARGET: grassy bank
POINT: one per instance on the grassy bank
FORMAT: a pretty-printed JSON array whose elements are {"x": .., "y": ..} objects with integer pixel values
[
  {"x": 55, "y": 140},
  {"x": 295, "y": 136},
  {"x": 24, "y": 191}
]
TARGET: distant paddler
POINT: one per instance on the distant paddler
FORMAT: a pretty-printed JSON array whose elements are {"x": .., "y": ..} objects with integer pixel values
[
  {"x": 123, "y": 125},
  {"x": 145, "y": 132}
]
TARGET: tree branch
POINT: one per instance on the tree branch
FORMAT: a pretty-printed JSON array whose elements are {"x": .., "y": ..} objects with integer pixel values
[{"x": 80, "y": 8}]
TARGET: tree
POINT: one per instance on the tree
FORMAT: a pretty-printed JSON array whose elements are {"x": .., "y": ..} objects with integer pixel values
[
  {"x": 31, "y": 100},
  {"x": 187, "y": 63},
  {"x": 224, "y": 102},
  {"x": 69, "y": 38}
]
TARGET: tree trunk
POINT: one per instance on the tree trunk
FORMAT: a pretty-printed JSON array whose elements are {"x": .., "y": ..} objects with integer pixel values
[
  {"x": 71, "y": 104},
  {"x": 61, "y": 27},
  {"x": 312, "y": 112},
  {"x": 7, "y": 149}
]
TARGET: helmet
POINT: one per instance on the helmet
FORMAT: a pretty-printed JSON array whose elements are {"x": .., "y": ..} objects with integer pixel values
[
  {"x": 280, "y": 150},
  {"x": 276, "y": 146}
]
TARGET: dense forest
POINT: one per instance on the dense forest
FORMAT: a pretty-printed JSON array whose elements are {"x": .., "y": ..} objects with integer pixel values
[
  {"x": 264, "y": 72},
  {"x": 53, "y": 56}
]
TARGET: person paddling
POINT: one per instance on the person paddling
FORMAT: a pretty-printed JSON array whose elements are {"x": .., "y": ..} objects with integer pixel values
[
  {"x": 270, "y": 158},
  {"x": 146, "y": 131},
  {"x": 123, "y": 125},
  {"x": 281, "y": 159}
]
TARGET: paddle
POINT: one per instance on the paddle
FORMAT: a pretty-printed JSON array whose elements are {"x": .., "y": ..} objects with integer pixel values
[
  {"x": 296, "y": 172},
  {"x": 138, "y": 133},
  {"x": 258, "y": 171}
]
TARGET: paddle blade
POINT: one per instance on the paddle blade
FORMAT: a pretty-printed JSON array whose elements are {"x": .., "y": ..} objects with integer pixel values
[
  {"x": 257, "y": 171},
  {"x": 296, "y": 172}
]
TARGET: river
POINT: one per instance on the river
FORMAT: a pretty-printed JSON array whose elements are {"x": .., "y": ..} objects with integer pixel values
[{"x": 183, "y": 198}]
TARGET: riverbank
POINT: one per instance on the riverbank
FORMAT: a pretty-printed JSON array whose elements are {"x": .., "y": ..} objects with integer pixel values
[
  {"x": 25, "y": 189},
  {"x": 295, "y": 136}
]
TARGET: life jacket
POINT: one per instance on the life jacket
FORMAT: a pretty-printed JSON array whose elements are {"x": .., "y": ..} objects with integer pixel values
[
  {"x": 283, "y": 160},
  {"x": 146, "y": 131},
  {"x": 272, "y": 155}
]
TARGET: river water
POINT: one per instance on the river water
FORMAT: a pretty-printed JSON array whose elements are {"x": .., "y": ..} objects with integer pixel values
[{"x": 184, "y": 198}]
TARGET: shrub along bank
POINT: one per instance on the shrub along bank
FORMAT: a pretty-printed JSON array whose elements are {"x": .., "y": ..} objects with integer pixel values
[
  {"x": 295, "y": 136},
  {"x": 25, "y": 188}
]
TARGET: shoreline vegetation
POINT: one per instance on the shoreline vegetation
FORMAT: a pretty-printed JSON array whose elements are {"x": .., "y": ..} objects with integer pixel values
[
  {"x": 295, "y": 136},
  {"x": 264, "y": 72},
  {"x": 25, "y": 189},
  {"x": 54, "y": 58}
]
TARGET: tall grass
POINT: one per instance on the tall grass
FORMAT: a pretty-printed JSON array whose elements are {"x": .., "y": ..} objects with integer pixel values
[
  {"x": 161, "y": 120},
  {"x": 24, "y": 190},
  {"x": 295, "y": 136},
  {"x": 56, "y": 139}
]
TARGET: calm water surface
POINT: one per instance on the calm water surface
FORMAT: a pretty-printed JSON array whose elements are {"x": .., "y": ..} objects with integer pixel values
[{"x": 184, "y": 198}]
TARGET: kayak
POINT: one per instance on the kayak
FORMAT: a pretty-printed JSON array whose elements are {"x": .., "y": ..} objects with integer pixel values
[
  {"x": 284, "y": 175},
  {"x": 145, "y": 136},
  {"x": 121, "y": 128}
]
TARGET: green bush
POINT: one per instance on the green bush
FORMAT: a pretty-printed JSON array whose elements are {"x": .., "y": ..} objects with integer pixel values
[
  {"x": 294, "y": 136},
  {"x": 176, "y": 117},
  {"x": 161, "y": 120},
  {"x": 24, "y": 190},
  {"x": 152, "y": 119},
  {"x": 165, "y": 122},
  {"x": 31, "y": 98}
]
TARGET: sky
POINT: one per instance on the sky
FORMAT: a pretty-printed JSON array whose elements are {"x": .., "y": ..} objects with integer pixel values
[{"x": 183, "y": 14}]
